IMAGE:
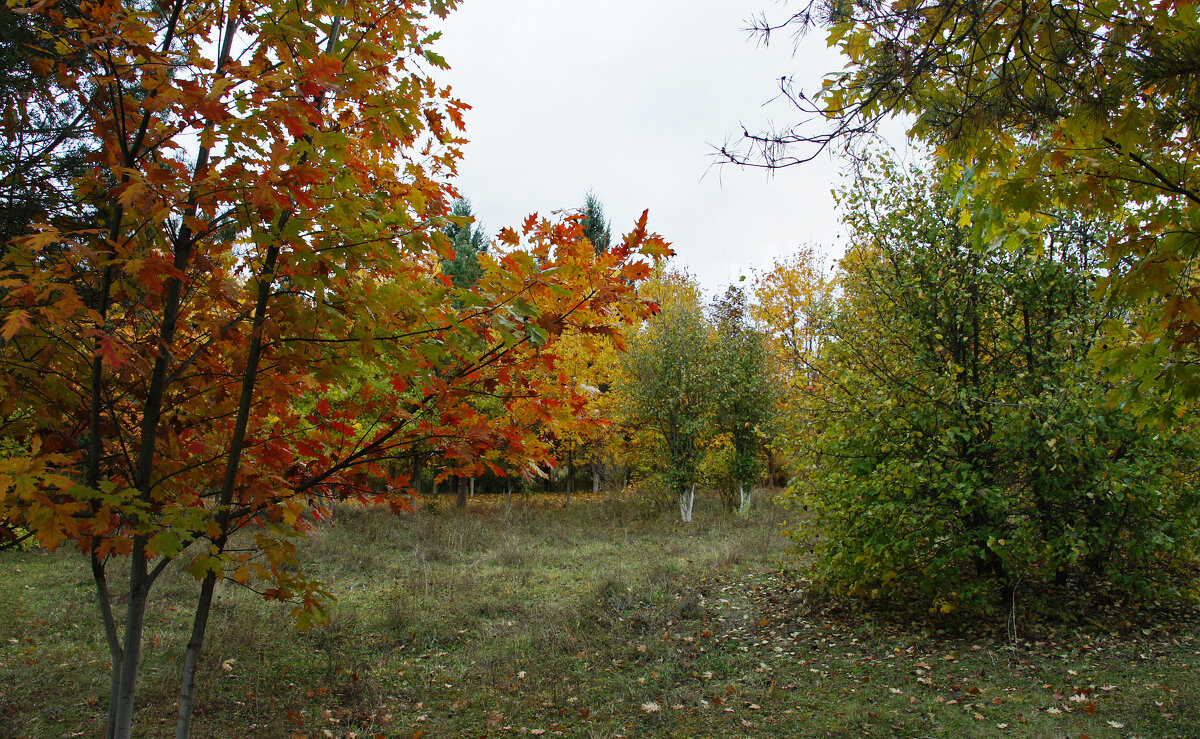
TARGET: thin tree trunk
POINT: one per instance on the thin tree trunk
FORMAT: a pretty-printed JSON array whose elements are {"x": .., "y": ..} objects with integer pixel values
[
  {"x": 595, "y": 479},
  {"x": 461, "y": 500},
  {"x": 686, "y": 501},
  {"x": 570, "y": 475},
  {"x": 472, "y": 486},
  {"x": 191, "y": 658},
  {"x": 114, "y": 643},
  {"x": 135, "y": 616}
]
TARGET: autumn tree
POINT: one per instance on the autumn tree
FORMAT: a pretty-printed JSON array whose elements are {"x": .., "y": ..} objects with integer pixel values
[
  {"x": 1086, "y": 107},
  {"x": 666, "y": 379},
  {"x": 792, "y": 301},
  {"x": 246, "y": 318},
  {"x": 742, "y": 397},
  {"x": 589, "y": 363},
  {"x": 961, "y": 448}
]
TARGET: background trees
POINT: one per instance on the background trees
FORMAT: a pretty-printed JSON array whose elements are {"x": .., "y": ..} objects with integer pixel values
[
  {"x": 666, "y": 381},
  {"x": 694, "y": 391},
  {"x": 742, "y": 395}
]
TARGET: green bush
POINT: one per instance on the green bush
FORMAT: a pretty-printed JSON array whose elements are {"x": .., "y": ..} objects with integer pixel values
[{"x": 959, "y": 445}]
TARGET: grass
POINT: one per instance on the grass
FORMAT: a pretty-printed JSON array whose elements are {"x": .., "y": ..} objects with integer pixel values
[{"x": 597, "y": 621}]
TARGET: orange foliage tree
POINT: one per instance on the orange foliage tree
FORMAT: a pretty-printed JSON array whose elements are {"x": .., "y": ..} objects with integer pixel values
[{"x": 247, "y": 319}]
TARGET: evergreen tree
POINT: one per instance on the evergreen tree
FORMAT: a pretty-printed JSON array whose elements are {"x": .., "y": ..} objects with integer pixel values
[
  {"x": 595, "y": 226},
  {"x": 469, "y": 242}
]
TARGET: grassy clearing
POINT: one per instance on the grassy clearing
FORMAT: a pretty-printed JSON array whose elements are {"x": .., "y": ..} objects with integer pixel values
[{"x": 596, "y": 621}]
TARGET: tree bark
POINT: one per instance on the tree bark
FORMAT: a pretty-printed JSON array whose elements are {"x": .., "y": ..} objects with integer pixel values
[
  {"x": 191, "y": 658},
  {"x": 461, "y": 500},
  {"x": 570, "y": 475},
  {"x": 135, "y": 616},
  {"x": 686, "y": 501},
  {"x": 114, "y": 643}
]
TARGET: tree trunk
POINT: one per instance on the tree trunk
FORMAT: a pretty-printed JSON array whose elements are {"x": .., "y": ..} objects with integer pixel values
[
  {"x": 472, "y": 486},
  {"x": 461, "y": 500},
  {"x": 135, "y": 616},
  {"x": 686, "y": 501},
  {"x": 595, "y": 479},
  {"x": 743, "y": 499},
  {"x": 191, "y": 658},
  {"x": 570, "y": 475},
  {"x": 114, "y": 643}
]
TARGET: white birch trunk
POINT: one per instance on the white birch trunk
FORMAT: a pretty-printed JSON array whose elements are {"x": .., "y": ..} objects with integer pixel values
[
  {"x": 686, "y": 501},
  {"x": 744, "y": 498}
]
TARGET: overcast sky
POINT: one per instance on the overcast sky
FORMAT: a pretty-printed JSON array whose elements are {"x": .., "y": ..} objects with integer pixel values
[{"x": 628, "y": 98}]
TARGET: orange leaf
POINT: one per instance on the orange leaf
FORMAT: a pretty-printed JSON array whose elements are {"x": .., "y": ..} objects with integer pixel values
[{"x": 16, "y": 322}]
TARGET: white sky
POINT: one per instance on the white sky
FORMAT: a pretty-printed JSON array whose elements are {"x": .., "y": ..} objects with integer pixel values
[{"x": 628, "y": 98}]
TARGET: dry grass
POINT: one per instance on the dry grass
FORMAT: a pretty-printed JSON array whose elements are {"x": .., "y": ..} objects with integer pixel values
[{"x": 598, "y": 621}]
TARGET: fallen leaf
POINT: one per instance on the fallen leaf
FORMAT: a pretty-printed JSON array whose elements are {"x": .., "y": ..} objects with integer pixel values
[
  {"x": 1116, "y": 724},
  {"x": 651, "y": 707}
]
